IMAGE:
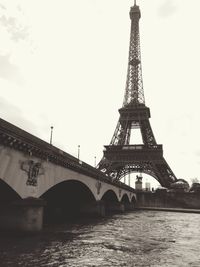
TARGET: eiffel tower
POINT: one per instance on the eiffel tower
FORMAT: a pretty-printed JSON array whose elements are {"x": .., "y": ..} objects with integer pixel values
[{"x": 120, "y": 157}]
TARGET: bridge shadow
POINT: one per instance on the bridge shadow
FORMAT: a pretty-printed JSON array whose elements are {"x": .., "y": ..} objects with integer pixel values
[
  {"x": 65, "y": 200},
  {"x": 72, "y": 200},
  {"x": 7, "y": 194}
]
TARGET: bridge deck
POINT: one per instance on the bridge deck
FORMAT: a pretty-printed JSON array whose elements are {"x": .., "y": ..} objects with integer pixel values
[{"x": 18, "y": 139}]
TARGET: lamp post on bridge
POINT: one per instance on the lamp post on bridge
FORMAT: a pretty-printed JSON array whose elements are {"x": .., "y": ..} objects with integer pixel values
[
  {"x": 95, "y": 161},
  {"x": 51, "y": 135},
  {"x": 79, "y": 152}
]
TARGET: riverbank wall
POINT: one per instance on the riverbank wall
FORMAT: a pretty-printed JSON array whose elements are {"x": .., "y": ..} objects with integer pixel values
[{"x": 187, "y": 200}]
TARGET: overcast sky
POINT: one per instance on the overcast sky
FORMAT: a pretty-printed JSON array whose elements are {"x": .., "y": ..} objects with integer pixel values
[{"x": 64, "y": 63}]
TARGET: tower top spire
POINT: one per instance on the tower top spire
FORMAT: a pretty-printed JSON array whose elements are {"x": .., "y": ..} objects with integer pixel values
[{"x": 134, "y": 93}]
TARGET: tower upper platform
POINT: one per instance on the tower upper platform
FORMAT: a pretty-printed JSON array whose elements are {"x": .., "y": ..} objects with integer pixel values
[{"x": 135, "y": 11}]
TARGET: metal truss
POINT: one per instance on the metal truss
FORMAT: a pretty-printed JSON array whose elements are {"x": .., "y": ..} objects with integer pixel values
[
  {"x": 120, "y": 157},
  {"x": 159, "y": 169},
  {"x": 134, "y": 92}
]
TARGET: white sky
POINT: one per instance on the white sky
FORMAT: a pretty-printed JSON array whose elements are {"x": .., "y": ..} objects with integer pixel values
[{"x": 64, "y": 63}]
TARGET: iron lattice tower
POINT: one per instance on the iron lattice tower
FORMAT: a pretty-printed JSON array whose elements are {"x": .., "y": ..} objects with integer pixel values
[{"x": 121, "y": 157}]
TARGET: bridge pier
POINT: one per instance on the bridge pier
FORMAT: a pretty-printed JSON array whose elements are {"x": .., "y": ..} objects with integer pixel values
[
  {"x": 115, "y": 207},
  {"x": 94, "y": 209},
  {"x": 24, "y": 215},
  {"x": 129, "y": 206}
]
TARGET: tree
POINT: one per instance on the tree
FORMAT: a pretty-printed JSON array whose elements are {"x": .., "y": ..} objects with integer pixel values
[{"x": 195, "y": 180}]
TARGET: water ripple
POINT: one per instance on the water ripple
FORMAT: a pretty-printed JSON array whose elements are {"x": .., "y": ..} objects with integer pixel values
[{"x": 147, "y": 238}]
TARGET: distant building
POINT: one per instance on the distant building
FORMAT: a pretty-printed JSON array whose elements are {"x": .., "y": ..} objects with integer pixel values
[{"x": 147, "y": 186}]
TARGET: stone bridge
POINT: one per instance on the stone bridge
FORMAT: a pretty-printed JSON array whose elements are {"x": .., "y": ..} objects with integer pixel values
[{"x": 39, "y": 180}]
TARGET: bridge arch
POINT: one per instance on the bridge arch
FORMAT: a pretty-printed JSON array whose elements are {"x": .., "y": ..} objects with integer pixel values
[
  {"x": 133, "y": 200},
  {"x": 110, "y": 199},
  {"x": 7, "y": 193},
  {"x": 110, "y": 196},
  {"x": 65, "y": 200},
  {"x": 125, "y": 198}
]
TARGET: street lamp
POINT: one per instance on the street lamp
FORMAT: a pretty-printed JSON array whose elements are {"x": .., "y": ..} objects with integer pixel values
[
  {"x": 95, "y": 161},
  {"x": 79, "y": 151},
  {"x": 51, "y": 135}
]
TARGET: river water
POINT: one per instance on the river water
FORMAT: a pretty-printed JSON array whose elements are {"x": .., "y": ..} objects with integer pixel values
[{"x": 140, "y": 238}]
